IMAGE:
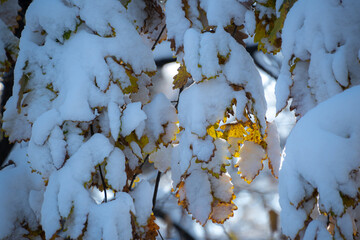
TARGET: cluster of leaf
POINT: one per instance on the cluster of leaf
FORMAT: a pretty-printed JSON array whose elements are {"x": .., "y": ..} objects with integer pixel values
[
  {"x": 269, "y": 24},
  {"x": 305, "y": 77},
  {"x": 82, "y": 102},
  {"x": 8, "y": 41},
  {"x": 319, "y": 180},
  {"x": 222, "y": 112},
  {"x": 320, "y": 62}
]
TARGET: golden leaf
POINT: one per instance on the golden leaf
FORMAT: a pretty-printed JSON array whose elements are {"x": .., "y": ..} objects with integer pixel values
[
  {"x": 221, "y": 211},
  {"x": 268, "y": 27},
  {"x": 181, "y": 78},
  {"x": 133, "y": 88},
  {"x": 236, "y": 33}
]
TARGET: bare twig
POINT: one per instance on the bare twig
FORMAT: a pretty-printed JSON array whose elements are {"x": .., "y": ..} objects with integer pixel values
[
  {"x": 103, "y": 183},
  {"x": 158, "y": 38},
  {"x": 183, "y": 233},
  {"x": 156, "y": 189},
  {"x": 160, "y": 235},
  {"x": 136, "y": 174},
  {"x": 178, "y": 98},
  {"x": 252, "y": 50}
]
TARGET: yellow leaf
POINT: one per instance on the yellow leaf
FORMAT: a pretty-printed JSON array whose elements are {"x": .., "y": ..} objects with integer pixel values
[
  {"x": 213, "y": 132},
  {"x": 181, "y": 78},
  {"x": 268, "y": 27},
  {"x": 133, "y": 88},
  {"x": 233, "y": 130}
]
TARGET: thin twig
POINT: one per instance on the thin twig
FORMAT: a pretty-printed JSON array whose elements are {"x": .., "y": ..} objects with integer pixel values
[
  {"x": 178, "y": 98},
  {"x": 183, "y": 233},
  {"x": 156, "y": 189},
  {"x": 158, "y": 38},
  {"x": 103, "y": 183},
  {"x": 160, "y": 235},
  {"x": 135, "y": 175},
  {"x": 253, "y": 50}
]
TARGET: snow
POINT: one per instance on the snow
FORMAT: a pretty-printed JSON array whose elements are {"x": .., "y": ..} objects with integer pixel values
[
  {"x": 225, "y": 77},
  {"x": 162, "y": 158},
  {"x": 104, "y": 224},
  {"x": 17, "y": 182},
  {"x": 142, "y": 196},
  {"x": 250, "y": 161},
  {"x": 74, "y": 138},
  {"x": 114, "y": 119},
  {"x": 65, "y": 190},
  {"x": 79, "y": 56},
  {"x": 177, "y": 24},
  {"x": 324, "y": 43},
  {"x": 321, "y": 155},
  {"x": 44, "y": 125},
  {"x": 136, "y": 149},
  {"x": 204, "y": 149},
  {"x": 273, "y": 148},
  {"x": 131, "y": 118},
  {"x": 317, "y": 230},
  {"x": 46, "y": 13},
  {"x": 219, "y": 159},
  {"x": 222, "y": 187},
  {"x": 192, "y": 55},
  {"x": 57, "y": 146},
  {"x": 203, "y": 104},
  {"x": 115, "y": 169},
  {"x": 250, "y": 22},
  {"x": 8, "y": 42},
  {"x": 346, "y": 226},
  {"x": 199, "y": 195},
  {"x": 156, "y": 119},
  {"x": 219, "y": 13}
]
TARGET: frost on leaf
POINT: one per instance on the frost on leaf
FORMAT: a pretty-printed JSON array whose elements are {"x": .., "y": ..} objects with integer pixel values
[{"x": 320, "y": 148}]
